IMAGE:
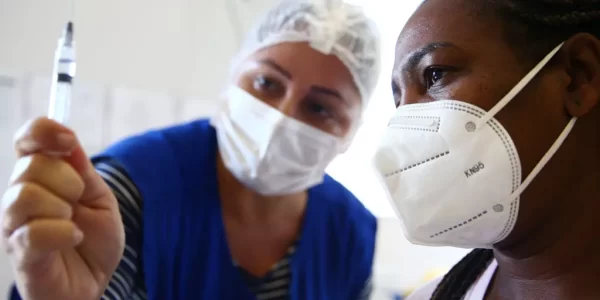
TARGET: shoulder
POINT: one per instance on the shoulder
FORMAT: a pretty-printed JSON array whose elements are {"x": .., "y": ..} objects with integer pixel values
[
  {"x": 148, "y": 156},
  {"x": 345, "y": 204},
  {"x": 198, "y": 129},
  {"x": 425, "y": 291},
  {"x": 348, "y": 218},
  {"x": 334, "y": 194},
  {"x": 158, "y": 143},
  {"x": 352, "y": 232}
]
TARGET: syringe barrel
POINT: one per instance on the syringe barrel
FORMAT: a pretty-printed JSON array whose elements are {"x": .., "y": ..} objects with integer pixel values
[{"x": 63, "y": 75}]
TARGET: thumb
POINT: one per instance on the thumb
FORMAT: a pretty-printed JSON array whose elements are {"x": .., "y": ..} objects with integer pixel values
[{"x": 95, "y": 187}]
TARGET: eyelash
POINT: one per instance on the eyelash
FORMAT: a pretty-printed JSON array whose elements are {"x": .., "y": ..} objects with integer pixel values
[
  {"x": 265, "y": 83},
  {"x": 313, "y": 106},
  {"x": 429, "y": 75},
  {"x": 396, "y": 93}
]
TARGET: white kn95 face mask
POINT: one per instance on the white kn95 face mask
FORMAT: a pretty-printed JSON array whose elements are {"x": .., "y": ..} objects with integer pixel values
[{"x": 453, "y": 172}]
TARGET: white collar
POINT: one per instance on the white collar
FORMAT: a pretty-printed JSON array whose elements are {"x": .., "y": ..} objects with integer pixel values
[{"x": 480, "y": 287}]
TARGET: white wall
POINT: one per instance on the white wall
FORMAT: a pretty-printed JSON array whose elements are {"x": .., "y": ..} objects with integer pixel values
[
  {"x": 141, "y": 44},
  {"x": 147, "y": 63}
]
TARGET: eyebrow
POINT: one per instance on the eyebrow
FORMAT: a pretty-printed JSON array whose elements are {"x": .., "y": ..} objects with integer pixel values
[
  {"x": 277, "y": 67},
  {"x": 314, "y": 88},
  {"x": 415, "y": 58},
  {"x": 327, "y": 91}
]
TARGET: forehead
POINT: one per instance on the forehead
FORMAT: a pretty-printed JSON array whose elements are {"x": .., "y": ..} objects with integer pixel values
[
  {"x": 301, "y": 58},
  {"x": 459, "y": 22},
  {"x": 309, "y": 66}
]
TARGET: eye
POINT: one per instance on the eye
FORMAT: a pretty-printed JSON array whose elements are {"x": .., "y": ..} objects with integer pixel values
[
  {"x": 262, "y": 83},
  {"x": 318, "y": 109},
  {"x": 396, "y": 93},
  {"x": 433, "y": 75}
]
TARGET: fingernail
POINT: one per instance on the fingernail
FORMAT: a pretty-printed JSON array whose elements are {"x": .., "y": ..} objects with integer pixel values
[
  {"x": 65, "y": 139},
  {"x": 27, "y": 145},
  {"x": 78, "y": 236}
]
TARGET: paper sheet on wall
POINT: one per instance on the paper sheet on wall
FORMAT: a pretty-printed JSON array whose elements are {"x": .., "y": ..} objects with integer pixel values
[
  {"x": 87, "y": 114},
  {"x": 193, "y": 108},
  {"x": 38, "y": 95},
  {"x": 87, "y": 108},
  {"x": 133, "y": 111},
  {"x": 11, "y": 117}
]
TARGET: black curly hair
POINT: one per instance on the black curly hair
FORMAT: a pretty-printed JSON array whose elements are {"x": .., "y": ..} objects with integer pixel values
[{"x": 532, "y": 28}]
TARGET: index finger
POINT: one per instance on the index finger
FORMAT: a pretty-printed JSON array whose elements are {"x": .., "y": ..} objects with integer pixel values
[{"x": 44, "y": 135}]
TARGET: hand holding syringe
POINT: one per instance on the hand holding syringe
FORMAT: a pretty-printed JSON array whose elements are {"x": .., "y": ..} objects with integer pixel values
[
  {"x": 64, "y": 72},
  {"x": 60, "y": 217}
]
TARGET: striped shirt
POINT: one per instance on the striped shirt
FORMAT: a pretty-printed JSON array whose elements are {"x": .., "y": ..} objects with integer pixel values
[{"x": 128, "y": 282}]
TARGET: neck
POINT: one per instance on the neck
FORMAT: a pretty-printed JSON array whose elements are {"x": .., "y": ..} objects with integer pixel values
[
  {"x": 561, "y": 258},
  {"x": 248, "y": 206}
]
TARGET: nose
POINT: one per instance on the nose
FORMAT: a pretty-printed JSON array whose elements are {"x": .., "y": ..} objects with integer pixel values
[
  {"x": 410, "y": 96},
  {"x": 290, "y": 104}
]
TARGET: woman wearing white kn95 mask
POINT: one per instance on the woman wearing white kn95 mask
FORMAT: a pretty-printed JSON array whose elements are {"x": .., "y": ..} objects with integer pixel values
[
  {"x": 495, "y": 145},
  {"x": 235, "y": 207}
]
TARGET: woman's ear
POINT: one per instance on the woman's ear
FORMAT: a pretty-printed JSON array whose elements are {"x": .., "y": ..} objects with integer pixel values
[{"x": 582, "y": 53}]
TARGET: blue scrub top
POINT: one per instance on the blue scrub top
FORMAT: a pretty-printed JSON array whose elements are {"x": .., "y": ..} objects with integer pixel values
[{"x": 185, "y": 252}]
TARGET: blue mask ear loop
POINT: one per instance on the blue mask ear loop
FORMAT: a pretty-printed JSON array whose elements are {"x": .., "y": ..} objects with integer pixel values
[{"x": 514, "y": 91}]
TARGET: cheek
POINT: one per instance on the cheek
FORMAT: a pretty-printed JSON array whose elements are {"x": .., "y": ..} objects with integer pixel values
[
  {"x": 483, "y": 91},
  {"x": 534, "y": 119},
  {"x": 339, "y": 125},
  {"x": 246, "y": 84},
  {"x": 350, "y": 122},
  {"x": 331, "y": 126},
  {"x": 353, "y": 111}
]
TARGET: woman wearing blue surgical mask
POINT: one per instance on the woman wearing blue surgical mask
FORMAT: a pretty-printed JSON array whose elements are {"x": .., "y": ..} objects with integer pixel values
[
  {"x": 235, "y": 207},
  {"x": 495, "y": 145}
]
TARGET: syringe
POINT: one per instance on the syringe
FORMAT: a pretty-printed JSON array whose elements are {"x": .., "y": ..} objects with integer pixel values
[{"x": 64, "y": 72}]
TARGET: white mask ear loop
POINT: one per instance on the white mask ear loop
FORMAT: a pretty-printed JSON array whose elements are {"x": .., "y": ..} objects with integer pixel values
[
  {"x": 515, "y": 90},
  {"x": 545, "y": 159},
  {"x": 555, "y": 146}
]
